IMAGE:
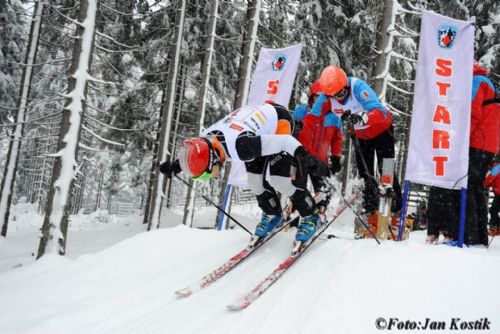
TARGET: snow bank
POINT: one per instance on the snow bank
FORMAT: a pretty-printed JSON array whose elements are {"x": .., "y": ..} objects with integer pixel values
[{"x": 339, "y": 286}]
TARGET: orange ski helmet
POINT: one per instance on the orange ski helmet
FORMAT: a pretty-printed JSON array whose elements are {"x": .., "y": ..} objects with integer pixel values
[{"x": 332, "y": 80}]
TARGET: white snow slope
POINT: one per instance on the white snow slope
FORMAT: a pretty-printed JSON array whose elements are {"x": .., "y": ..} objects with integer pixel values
[{"x": 338, "y": 286}]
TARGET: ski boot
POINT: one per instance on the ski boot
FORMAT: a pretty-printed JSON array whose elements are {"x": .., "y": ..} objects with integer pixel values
[
  {"x": 449, "y": 241},
  {"x": 371, "y": 220},
  {"x": 267, "y": 224},
  {"x": 432, "y": 239},
  {"x": 407, "y": 226},
  {"x": 307, "y": 228}
]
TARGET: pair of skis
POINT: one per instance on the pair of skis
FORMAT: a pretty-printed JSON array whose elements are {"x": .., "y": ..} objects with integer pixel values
[
  {"x": 297, "y": 250},
  {"x": 213, "y": 276}
]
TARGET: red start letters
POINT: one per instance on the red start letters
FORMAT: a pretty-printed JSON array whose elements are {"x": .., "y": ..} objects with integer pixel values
[{"x": 441, "y": 137}]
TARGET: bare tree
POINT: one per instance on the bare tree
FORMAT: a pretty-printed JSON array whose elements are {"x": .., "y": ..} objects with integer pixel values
[
  {"x": 244, "y": 75},
  {"x": 168, "y": 107},
  {"x": 55, "y": 223},
  {"x": 384, "y": 48},
  {"x": 205, "y": 76},
  {"x": 13, "y": 154}
]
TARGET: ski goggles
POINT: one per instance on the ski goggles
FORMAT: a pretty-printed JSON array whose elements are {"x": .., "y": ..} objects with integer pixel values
[
  {"x": 205, "y": 176},
  {"x": 341, "y": 94}
]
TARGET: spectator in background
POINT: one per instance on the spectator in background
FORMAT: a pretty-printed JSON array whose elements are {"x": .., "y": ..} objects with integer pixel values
[
  {"x": 493, "y": 180},
  {"x": 484, "y": 141},
  {"x": 320, "y": 131},
  {"x": 444, "y": 204},
  {"x": 420, "y": 222}
]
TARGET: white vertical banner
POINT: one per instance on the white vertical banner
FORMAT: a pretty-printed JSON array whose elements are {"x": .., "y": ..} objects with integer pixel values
[
  {"x": 274, "y": 75},
  {"x": 440, "y": 127},
  {"x": 272, "y": 81}
]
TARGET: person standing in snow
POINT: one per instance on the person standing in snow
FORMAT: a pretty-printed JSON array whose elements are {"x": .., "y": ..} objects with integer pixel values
[
  {"x": 355, "y": 101},
  {"x": 443, "y": 214},
  {"x": 493, "y": 180},
  {"x": 483, "y": 145},
  {"x": 484, "y": 142},
  {"x": 256, "y": 135},
  {"x": 321, "y": 134}
]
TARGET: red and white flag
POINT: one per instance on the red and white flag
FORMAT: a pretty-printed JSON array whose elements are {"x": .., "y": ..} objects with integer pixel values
[{"x": 440, "y": 126}]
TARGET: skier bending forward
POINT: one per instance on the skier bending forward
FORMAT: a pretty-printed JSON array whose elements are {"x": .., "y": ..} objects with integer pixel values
[{"x": 258, "y": 136}]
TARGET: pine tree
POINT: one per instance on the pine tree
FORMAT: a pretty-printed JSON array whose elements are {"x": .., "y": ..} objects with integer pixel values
[
  {"x": 55, "y": 225},
  {"x": 13, "y": 39}
]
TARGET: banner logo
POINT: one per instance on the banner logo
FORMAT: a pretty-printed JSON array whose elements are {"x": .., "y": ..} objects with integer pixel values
[
  {"x": 279, "y": 62},
  {"x": 446, "y": 35}
]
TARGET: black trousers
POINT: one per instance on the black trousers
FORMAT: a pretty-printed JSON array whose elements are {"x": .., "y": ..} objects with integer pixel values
[
  {"x": 444, "y": 204},
  {"x": 443, "y": 212},
  {"x": 280, "y": 166},
  {"x": 494, "y": 210},
  {"x": 476, "y": 230},
  {"x": 383, "y": 147}
]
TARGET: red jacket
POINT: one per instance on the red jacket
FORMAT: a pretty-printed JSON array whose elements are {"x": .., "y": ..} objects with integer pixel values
[
  {"x": 493, "y": 179},
  {"x": 485, "y": 120},
  {"x": 321, "y": 131}
]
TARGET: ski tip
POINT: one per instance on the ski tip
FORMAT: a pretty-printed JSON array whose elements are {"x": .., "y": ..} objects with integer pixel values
[
  {"x": 184, "y": 293},
  {"x": 239, "y": 306}
]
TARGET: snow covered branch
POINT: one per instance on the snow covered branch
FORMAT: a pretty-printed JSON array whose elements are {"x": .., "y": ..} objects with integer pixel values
[
  {"x": 390, "y": 84},
  {"x": 95, "y": 135},
  {"x": 109, "y": 126},
  {"x": 396, "y": 111}
]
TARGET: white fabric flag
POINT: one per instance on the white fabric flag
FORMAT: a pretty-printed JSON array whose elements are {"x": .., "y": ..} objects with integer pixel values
[
  {"x": 440, "y": 126},
  {"x": 272, "y": 81},
  {"x": 274, "y": 75}
]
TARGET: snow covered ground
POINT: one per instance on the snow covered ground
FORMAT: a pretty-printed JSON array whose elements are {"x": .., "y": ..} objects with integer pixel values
[{"x": 117, "y": 278}]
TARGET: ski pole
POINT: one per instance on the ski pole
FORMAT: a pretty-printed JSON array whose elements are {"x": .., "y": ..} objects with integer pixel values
[
  {"x": 489, "y": 243},
  {"x": 358, "y": 149},
  {"x": 211, "y": 202},
  {"x": 361, "y": 221},
  {"x": 365, "y": 226}
]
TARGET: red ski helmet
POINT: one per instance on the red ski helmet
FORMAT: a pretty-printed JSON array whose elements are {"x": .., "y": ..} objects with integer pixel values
[
  {"x": 197, "y": 157},
  {"x": 332, "y": 80}
]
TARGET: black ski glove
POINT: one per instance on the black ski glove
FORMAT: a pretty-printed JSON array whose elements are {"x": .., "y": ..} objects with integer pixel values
[
  {"x": 170, "y": 168},
  {"x": 317, "y": 168},
  {"x": 334, "y": 164},
  {"x": 346, "y": 116},
  {"x": 354, "y": 118}
]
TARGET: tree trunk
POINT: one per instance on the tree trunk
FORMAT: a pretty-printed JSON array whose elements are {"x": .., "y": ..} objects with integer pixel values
[
  {"x": 205, "y": 78},
  {"x": 55, "y": 225},
  {"x": 157, "y": 193},
  {"x": 384, "y": 47},
  {"x": 176, "y": 128},
  {"x": 99, "y": 189},
  {"x": 154, "y": 166},
  {"x": 9, "y": 175},
  {"x": 247, "y": 52},
  {"x": 187, "y": 219}
]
